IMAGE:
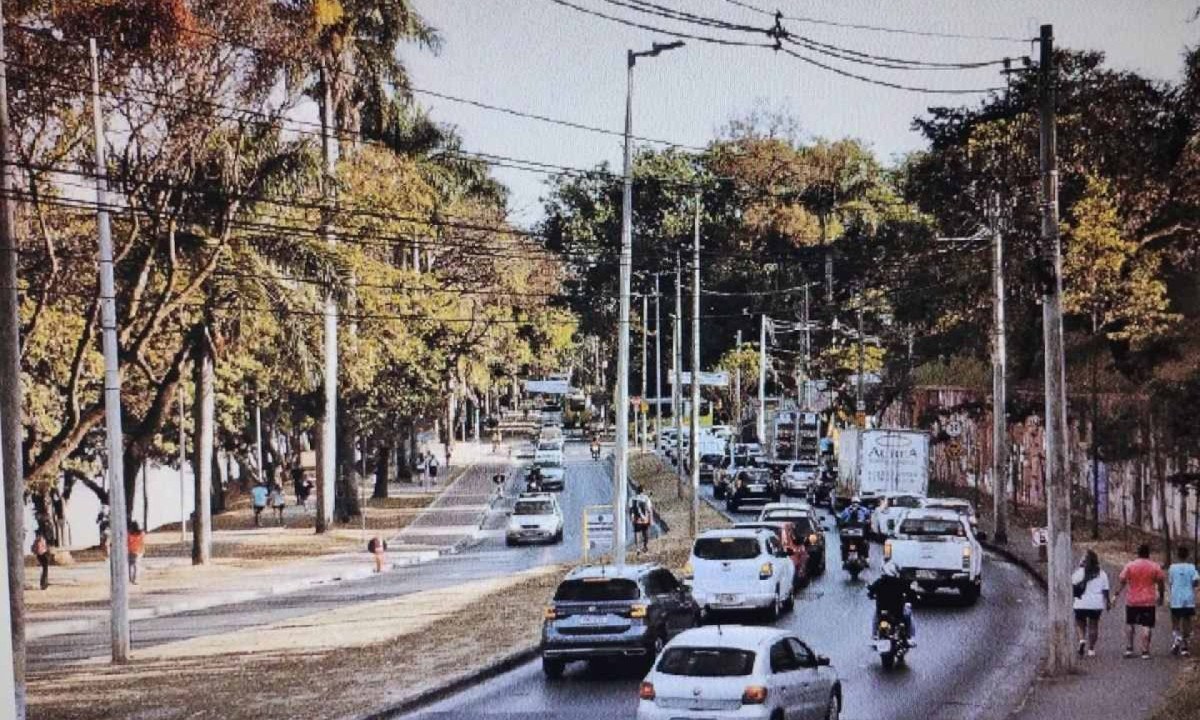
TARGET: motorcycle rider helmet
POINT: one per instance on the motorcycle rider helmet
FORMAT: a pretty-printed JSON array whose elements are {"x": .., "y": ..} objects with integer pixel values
[
  {"x": 890, "y": 569},
  {"x": 856, "y": 500}
]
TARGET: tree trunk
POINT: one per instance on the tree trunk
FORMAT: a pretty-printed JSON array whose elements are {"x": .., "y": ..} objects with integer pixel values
[
  {"x": 1160, "y": 477},
  {"x": 413, "y": 448},
  {"x": 203, "y": 415},
  {"x": 345, "y": 496},
  {"x": 382, "y": 457}
]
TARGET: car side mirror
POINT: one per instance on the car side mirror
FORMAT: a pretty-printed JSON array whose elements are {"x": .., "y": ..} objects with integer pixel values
[{"x": 822, "y": 661}]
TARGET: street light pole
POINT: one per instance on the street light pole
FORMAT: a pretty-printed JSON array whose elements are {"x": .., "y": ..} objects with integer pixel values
[
  {"x": 695, "y": 420},
  {"x": 621, "y": 406},
  {"x": 657, "y": 363}
]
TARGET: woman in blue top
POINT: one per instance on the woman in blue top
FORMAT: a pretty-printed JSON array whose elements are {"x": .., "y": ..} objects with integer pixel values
[{"x": 1182, "y": 579}]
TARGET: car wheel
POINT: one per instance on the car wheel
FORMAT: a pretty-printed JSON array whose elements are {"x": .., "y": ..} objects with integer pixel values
[
  {"x": 731, "y": 506},
  {"x": 789, "y": 604},
  {"x": 889, "y": 661},
  {"x": 553, "y": 669},
  {"x": 833, "y": 711},
  {"x": 776, "y": 608},
  {"x": 778, "y": 715},
  {"x": 509, "y": 542},
  {"x": 972, "y": 592},
  {"x": 656, "y": 648},
  {"x": 558, "y": 537}
]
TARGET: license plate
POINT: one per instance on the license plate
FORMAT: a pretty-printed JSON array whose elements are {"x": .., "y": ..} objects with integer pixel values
[
  {"x": 883, "y": 646},
  {"x": 927, "y": 575},
  {"x": 592, "y": 619},
  {"x": 727, "y": 598}
]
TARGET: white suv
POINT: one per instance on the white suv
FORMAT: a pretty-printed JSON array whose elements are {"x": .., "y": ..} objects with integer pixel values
[
  {"x": 741, "y": 569},
  {"x": 937, "y": 549},
  {"x": 535, "y": 517},
  {"x": 893, "y": 506}
]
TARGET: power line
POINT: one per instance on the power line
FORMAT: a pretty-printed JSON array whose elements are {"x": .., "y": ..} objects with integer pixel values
[
  {"x": 886, "y": 83},
  {"x": 881, "y": 28}
]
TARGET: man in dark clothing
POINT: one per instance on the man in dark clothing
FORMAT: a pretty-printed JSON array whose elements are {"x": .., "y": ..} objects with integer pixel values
[{"x": 892, "y": 594}]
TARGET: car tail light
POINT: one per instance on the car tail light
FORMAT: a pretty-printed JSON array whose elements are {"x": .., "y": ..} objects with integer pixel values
[
  {"x": 646, "y": 691},
  {"x": 887, "y": 550},
  {"x": 766, "y": 571},
  {"x": 754, "y": 695},
  {"x": 688, "y": 571},
  {"x": 550, "y": 613},
  {"x": 966, "y": 557},
  {"x": 637, "y": 611}
]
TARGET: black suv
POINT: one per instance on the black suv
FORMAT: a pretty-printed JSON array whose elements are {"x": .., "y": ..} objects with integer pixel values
[
  {"x": 708, "y": 467},
  {"x": 751, "y": 485},
  {"x": 603, "y": 611}
]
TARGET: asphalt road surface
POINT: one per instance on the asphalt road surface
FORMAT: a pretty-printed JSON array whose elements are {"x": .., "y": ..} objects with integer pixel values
[
  {"x": 587, "y": 483},
  {"x": 971, "y": 663}
]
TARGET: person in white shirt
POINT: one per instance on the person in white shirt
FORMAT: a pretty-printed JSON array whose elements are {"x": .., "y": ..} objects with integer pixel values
[{"x": 1090, "y": 587}]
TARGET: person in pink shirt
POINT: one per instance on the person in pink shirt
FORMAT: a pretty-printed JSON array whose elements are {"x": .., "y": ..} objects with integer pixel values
[{"x": 1147, "y": 585}]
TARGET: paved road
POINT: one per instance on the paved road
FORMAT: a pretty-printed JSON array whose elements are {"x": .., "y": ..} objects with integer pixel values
[
  {"x": 586, "y": 484},
  {"x": 971, "y": 662}
]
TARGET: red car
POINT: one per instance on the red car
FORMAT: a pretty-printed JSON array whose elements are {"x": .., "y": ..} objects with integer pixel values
[{"x": 792, "y": 543}]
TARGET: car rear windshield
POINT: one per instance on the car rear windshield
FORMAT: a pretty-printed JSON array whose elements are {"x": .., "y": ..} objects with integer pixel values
[
  {"x": 726, "y": 548},
  {"x": 548, "y": 446},
  {"x": 803, "y": 525},
  {"x": 533, "y": 507},
  {"x": 932, "y": 527},
  {"x": 544, "y": 463},
  {"x": 960, "y": 509},
  {"x": 785, "y": 515},
  {"x": 905, "y": 501},
  {"x": 706, "y": 662},
  {"x": 597, "y": 590}
]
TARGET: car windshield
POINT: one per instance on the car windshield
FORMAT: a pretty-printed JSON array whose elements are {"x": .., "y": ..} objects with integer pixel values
[
  {"x": 706, "y": 662},
  {"x": 754, "y": 476},
  {"x": 726, "y": 548},
  {"x": 533, "y": 507},
  {"x": 547, "y": 446},
  {"x": 785, "y": 514},
  {"x": 810, "y": 469},
  {"x": 599, "y": 589},
  {"x": 931, "y": 527},
  {"x": 711, "y": 459}
]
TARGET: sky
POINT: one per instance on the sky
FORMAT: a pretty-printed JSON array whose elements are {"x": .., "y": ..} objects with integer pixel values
[{"x": 541, "y": 57}]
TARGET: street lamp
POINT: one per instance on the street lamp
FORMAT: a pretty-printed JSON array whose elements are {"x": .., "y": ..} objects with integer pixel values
[{"x": 621, "y": 459}]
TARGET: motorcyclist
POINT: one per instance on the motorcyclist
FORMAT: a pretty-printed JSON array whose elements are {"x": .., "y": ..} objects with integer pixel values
[
  {"x": 533, "y": 483},
  {"x": 893, "y": 595},
  {"x": 856, "y": 515},
  {"x": 595, "y": 447}
]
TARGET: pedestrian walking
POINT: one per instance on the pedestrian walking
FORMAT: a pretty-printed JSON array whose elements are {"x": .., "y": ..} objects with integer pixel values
[
  {"x": 41, "y": 551},
  {"x": 137, "y": 548},
  {"x": 306, "y": 491},
  {"x": 278, "y": 502},
  {"x": 1183, "y": 581},
  {"x": 298, "y": 485},
  {"x": 642, "y": 512},
  {"x": 258, "y": 496},
  {"x": 1147, "y": 585},
  {"x": 433, "y": 468},
  {"x": 378, "y": 549},
  {"x": 102, "y": 525},
  {"x": 1092, "y": 598}
]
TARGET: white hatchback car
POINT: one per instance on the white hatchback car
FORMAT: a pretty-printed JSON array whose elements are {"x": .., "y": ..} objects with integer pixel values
[
  {"x": 536, "y": 517},
  {"x": 739, "y": 672},
  {"x": 741, "y": 569}
]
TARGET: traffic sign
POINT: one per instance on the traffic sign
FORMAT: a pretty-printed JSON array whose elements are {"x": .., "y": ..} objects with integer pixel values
[
  {"x": 953, "y": 427},
  {"x": 1039, "y": 536},
  {"x": 954, "y": 449},
  {"x": 598, "y": 521}
]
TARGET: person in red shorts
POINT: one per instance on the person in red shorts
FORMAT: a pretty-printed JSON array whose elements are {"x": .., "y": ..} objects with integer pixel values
[{"x": 1147, "y": 585}]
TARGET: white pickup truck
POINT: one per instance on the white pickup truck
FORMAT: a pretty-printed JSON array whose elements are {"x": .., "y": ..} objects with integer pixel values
[{"x": 938, "y": 549}]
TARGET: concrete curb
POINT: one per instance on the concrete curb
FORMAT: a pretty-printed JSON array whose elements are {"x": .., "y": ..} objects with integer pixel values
[
  {"x": 41, "y": 630},
  {"x": 499, "y": 667},
  {"x": 1031, "y": 568}
]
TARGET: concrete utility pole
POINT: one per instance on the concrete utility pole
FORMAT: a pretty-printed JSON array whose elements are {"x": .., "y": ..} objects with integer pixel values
[
  {"x": 807, "y": 347},
  {"x": 762, "y": 381},
  {"x": 12, "y": 520},
  {"x": 999, "y": 391},
  {"x": 183, "y": 514},
  {"x": 258, "y": 448},
  {"x": 860, "y": 404},
  {"x": 737, "y": 392},
  {"x": 695, "y": 423},
  {"x": 327, "y": 447},
  {"x": 678, "y": 379},
  {"x": 657, "y": 363},
  {"x": 642, "y": 405},
  {"x": 118, "y": 559},
  {"x": 1061, "y": 656},
  {"x": 621, "y": 454}
]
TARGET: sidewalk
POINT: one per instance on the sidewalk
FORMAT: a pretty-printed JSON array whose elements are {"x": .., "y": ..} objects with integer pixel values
[
  {"x": 78, "y": 599},
  {"x": 1105, "y": 686}
]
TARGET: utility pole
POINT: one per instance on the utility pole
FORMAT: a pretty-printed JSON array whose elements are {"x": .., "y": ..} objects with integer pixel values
[
  {"x": 327, "y": 448},
  {"x": 258, "y": 448},
  {"x": 860, "y": 405},
  {"x": 999, "y": 391},
  {"x": 762, "y": 381},
  {"x": 1061, "y": 658},
  {"x": 118, "y": 560},
  {"x": 12, "y": 475},
  {"x": 642, "y": 405},
  {"x": 657, "y": 363},
  {"x": 737, "y": 392},
  {"x": 695, "y": 423},
  {"x": 807, "y": 346},
  {"x": 182, "y": 464},
  {"x": 679, "y": 372}
]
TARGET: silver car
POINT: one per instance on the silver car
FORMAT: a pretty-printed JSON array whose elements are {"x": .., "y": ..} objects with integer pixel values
[{"x": 732, "y": 671}]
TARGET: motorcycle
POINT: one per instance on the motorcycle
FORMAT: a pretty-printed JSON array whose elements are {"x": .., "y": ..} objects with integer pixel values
[
  {"x": 596, "y": 451},
  {"x": 892, "y": 640},
  {"x": 855, "y": 551}
]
